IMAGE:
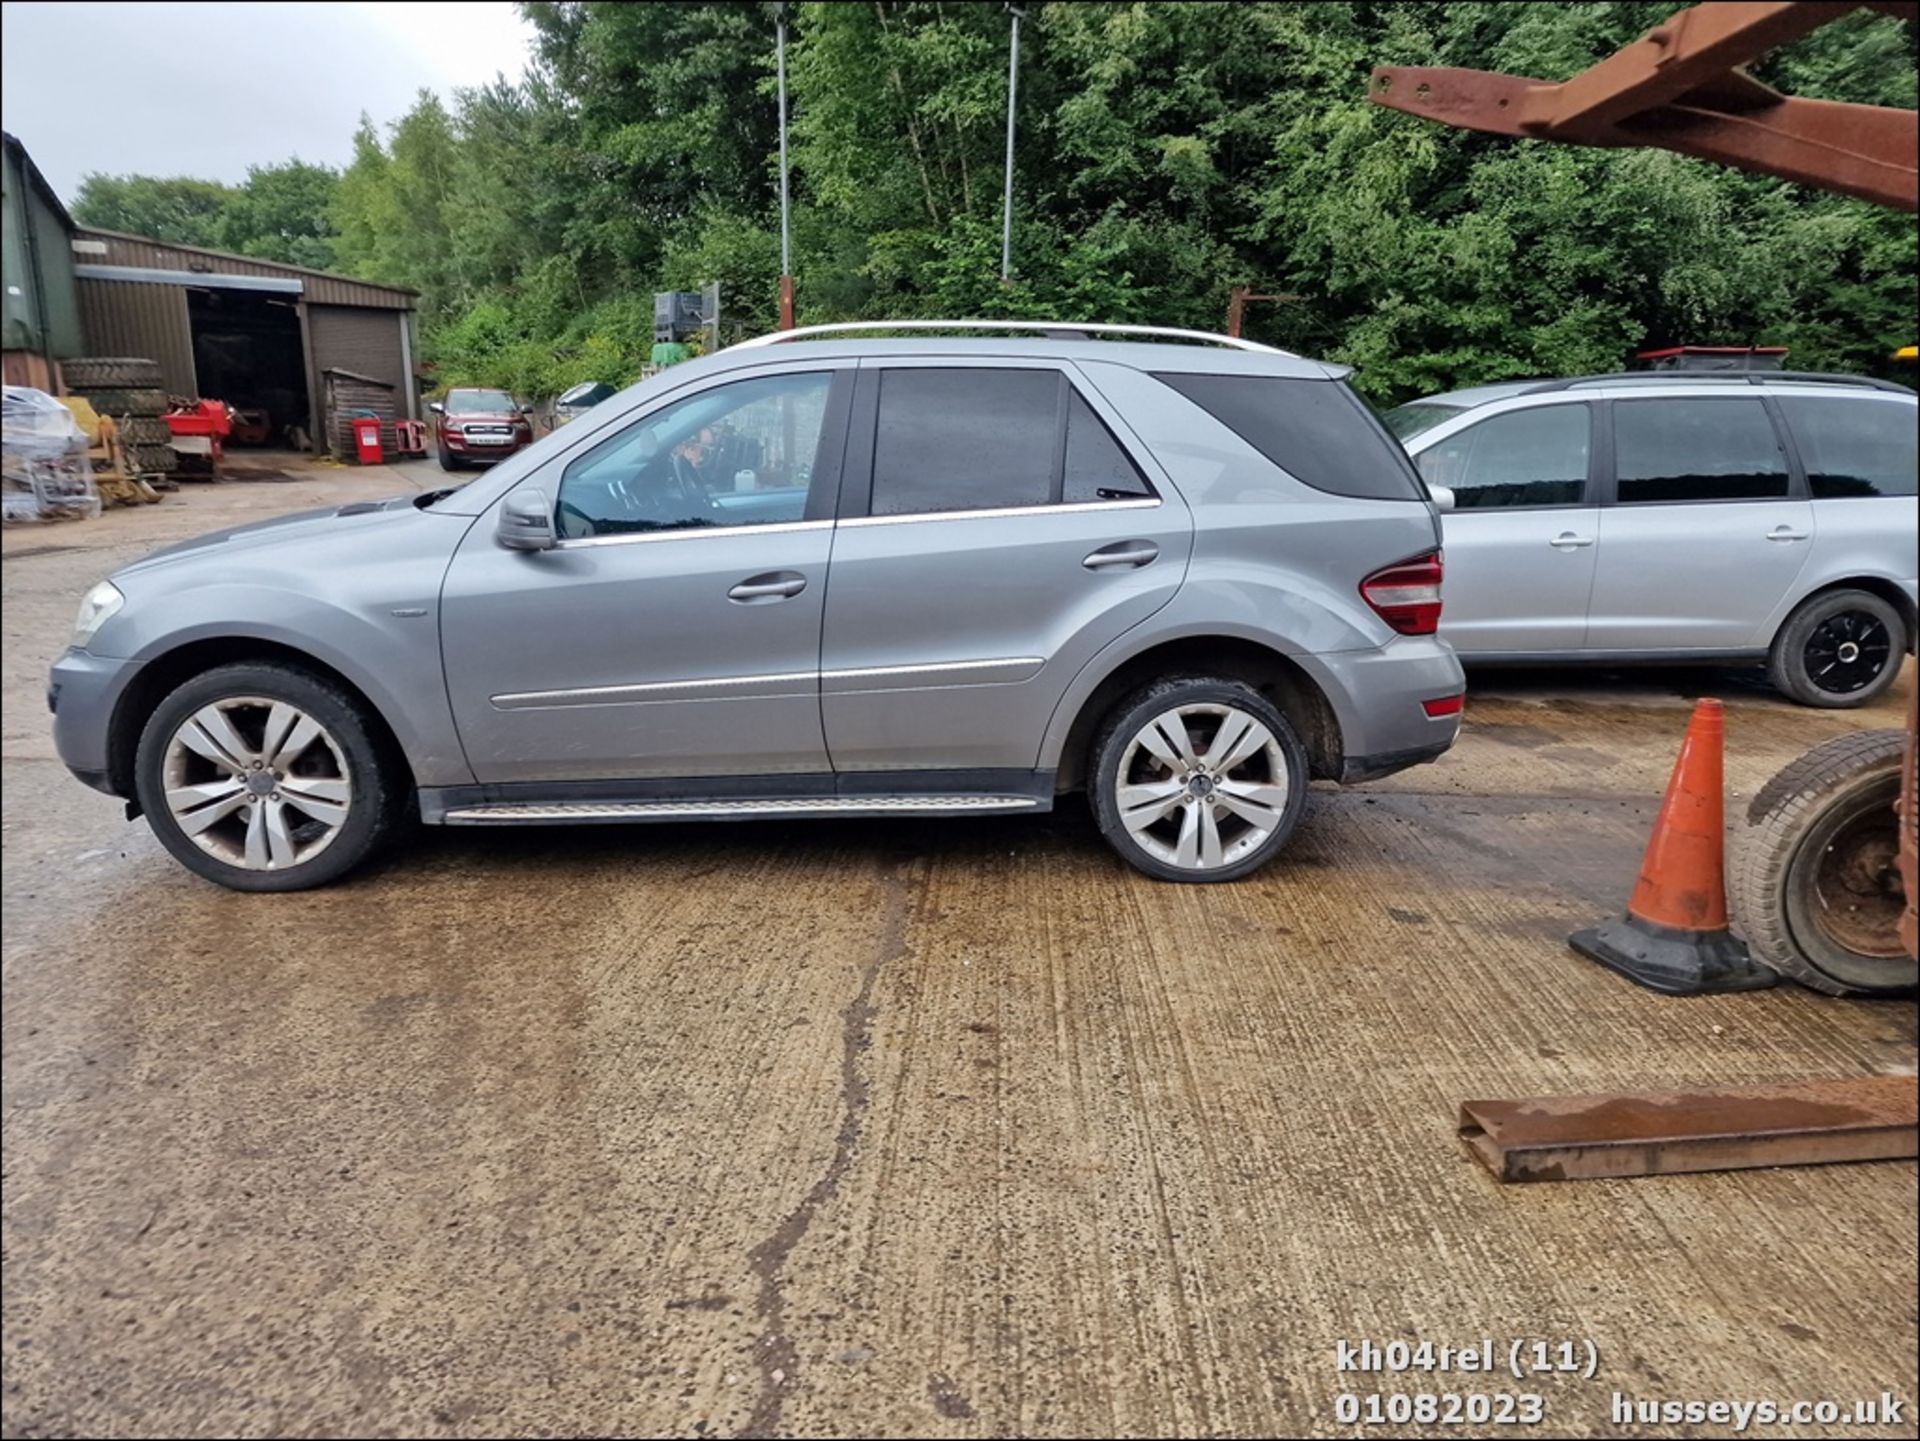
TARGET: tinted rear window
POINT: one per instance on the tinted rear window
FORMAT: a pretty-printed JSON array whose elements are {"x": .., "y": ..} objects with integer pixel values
[
  {"x": 1854, "y": 447},
  {"x": 1315, "y": 430}
]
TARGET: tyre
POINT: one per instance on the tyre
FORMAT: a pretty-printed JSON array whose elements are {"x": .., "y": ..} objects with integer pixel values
[
  {"x": 146, "y": 430},
  {"x": 122, "y": 372},
  {"x": 264, "y": 777},
  {"x": 447, "y": 462},
  {"x": 1197, "y": 779},
  {"x": 123, "y": 403},
  {"x": 162, "y": 458},
  {"x": 1840, "y": 649},
  {"x": 1816, "y": 890}
]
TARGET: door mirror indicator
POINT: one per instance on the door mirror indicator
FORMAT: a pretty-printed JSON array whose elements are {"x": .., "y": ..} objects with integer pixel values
[{"x": 526, "y": 521}]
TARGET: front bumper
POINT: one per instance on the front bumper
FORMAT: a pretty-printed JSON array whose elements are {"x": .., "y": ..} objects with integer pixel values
[
  {"x": 82, "y": 691},
  {"x": 1379, "y": 696}
]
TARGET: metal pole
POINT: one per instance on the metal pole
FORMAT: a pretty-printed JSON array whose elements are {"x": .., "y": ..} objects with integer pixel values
[
  {"x": 1006, "y": 205},
  {"x": 786, "y": 220}
]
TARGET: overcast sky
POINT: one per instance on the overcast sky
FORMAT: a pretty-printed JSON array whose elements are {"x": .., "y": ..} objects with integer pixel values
[{"x": 209, "y": 89}]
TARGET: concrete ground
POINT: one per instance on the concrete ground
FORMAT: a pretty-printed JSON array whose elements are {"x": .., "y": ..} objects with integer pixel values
[{"x": 891, "y": 1127}]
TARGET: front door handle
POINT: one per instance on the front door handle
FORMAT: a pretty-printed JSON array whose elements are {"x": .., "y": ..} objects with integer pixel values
[
  {"x": 1567, "y": 540},
  {"x": 1128, "y": 554},
  {"x": 1787, "y": 532},
  {"x": 773, "y": 585}
]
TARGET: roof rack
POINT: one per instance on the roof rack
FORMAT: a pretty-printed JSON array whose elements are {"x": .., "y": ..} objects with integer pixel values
[
  {"x": 1059, "y": 329},
  {"x": 1723, "y": 377}
]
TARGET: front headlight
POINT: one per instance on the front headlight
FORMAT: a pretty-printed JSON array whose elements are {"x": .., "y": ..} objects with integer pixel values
[{"x": 96, "y": 608}]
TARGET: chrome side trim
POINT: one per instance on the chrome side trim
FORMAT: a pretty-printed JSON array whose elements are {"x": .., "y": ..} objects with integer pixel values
[
  {"x": 720, "y": 810},
  {"x": 1007, "y": 671},
  {"x": 965, "y": 672},
  {"x": 1072, "y": 508},
  {"x": 798, "y": 682},
  {"x": 695, "y": 532}
]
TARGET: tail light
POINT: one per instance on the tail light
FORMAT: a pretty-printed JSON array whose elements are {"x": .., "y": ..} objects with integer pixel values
[{"x": 1406, "y": 595}]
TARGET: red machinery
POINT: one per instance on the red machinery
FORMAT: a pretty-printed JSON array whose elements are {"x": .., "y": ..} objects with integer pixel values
[{"x": 199, "y": 427}]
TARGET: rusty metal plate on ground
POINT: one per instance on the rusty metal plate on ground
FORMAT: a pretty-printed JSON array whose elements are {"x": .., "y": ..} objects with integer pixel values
[{"x": 1662, "y": 1133}]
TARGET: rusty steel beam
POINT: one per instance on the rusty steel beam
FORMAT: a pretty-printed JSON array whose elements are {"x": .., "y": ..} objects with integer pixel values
[
  {"x": 1679, "y": 89},
  {"x": 1671, "y": 59},
  {"x": 1663, "y": 1133}
]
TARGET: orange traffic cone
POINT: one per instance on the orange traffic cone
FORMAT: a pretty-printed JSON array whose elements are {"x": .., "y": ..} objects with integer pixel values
[{"x": 1674, "y": 937}]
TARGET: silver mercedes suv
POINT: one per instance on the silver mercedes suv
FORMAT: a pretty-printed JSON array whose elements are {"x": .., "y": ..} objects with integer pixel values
[
  {"x": 805, "y": 577},
  {"x": 1744, "y": 518}
]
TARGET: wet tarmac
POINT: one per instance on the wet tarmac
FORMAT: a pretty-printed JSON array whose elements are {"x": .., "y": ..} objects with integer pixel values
[{"x": 890, "y": 1127}]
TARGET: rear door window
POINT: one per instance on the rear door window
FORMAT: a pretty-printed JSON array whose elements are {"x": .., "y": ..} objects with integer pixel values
[
  {"x": 1523, "y": 459},
  {"x": 959, "y": 439},
  {"x": 1854, "y": 448},
  {"x": 1317, "y": 431},
  {"x": 1677, "y": 450}
]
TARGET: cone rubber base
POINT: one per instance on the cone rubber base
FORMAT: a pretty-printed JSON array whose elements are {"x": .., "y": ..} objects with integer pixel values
[{"x": 1674, "y": 962}]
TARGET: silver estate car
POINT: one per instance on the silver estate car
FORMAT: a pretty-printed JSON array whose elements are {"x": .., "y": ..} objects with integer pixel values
[
  {"x": 1749, "y": 518},
  {"x": 806, "y": 577}
]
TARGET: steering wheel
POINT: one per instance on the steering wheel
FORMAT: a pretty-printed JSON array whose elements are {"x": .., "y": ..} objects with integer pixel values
[{"x": 692, "y": 488}]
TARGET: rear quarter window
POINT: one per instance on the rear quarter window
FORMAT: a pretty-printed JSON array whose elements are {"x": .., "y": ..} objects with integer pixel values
[
  {"x": 1317, "y": 431},
  {"x": 1854, "y": 448}
]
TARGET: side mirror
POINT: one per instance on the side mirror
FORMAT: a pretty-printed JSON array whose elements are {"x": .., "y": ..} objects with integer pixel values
[
  {"x": 1442, "y": 497},
  {"x": 437, "y": 408},
  {"x": 526, "y": 521},
  {"x": 526, "y": 410}
]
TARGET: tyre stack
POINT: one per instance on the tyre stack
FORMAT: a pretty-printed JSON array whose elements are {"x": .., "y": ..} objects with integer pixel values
[{"x": 130, "y": 391}]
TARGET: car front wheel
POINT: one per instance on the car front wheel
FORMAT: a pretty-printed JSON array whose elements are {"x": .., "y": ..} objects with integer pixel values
[
  {"x": 1198, "y": 779},
  {"x": 265, "y": 777}
]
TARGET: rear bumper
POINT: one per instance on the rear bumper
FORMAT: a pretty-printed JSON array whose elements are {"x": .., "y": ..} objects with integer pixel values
[{"x": 1379, "y": 696}]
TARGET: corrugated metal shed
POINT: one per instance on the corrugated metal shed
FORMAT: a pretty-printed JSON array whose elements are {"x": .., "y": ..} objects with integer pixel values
[
  {"x": 109, "y": 247},
  {"x": 149, "y": 321},
  {"x": 41, "y": 315}
]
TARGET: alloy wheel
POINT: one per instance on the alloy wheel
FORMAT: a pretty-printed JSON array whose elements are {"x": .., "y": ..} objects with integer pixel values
[
  {"x": 1202, "y": 786},
  {"x": 257, "y": 783}
]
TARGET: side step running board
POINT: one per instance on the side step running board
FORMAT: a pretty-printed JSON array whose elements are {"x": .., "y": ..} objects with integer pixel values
[{"x": 528, "y": 813}]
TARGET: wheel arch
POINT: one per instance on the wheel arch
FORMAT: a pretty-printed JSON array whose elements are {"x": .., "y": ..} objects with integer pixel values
[
  {"x": 160, "y": 676},
  {"x": 1275, "y": 675},
  {"x": 1884, "y": 587}
]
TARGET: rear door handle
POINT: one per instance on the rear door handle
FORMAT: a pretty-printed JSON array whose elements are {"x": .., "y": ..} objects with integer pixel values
[
  {"x": 1130, "y": 554},
  {"x": 1786, "y": 533},
  {"x": 772, "y": 585},
  {"x": 1567, "y": 540}
]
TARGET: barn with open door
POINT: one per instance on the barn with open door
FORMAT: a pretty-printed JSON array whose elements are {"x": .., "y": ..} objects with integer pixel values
[{"x": 256, "y": 334}]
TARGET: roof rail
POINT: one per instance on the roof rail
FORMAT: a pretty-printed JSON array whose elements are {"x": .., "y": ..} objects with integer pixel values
[
  {"x": 1063, "y": 329},
  {"x": 1723, "y": 377}
]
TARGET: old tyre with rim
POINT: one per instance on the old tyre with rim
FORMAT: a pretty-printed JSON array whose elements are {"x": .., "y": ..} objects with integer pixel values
[
  {"x": 1198, "y": 779},
  {"x": 265, "y": 777},
  {"x": 1838, "y": 650},
  {"x": 1816, "y": 885}
]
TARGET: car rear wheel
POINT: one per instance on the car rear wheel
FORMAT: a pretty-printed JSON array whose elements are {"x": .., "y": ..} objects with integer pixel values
[
  {"x": 1198, "y": 779},
  {"x": 264, "y": 777},
  {"x": 1839, "y": 650}
]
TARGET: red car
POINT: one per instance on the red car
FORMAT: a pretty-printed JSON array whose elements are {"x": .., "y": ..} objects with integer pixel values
[{"x": 479, "y": 426}]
